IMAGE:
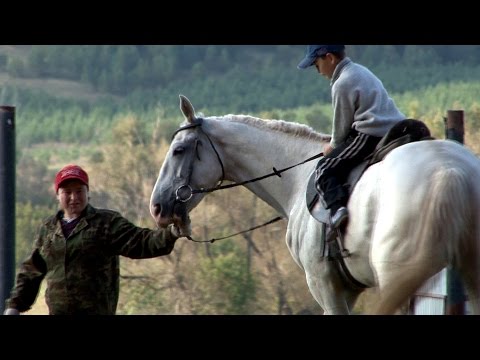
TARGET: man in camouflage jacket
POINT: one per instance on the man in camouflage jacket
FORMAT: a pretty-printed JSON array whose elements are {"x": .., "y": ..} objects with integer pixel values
[{"x": 77, "y": 251}]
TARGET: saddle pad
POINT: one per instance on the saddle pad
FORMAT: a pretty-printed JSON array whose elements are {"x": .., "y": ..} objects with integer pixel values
[{"x": 314, "y": 203}]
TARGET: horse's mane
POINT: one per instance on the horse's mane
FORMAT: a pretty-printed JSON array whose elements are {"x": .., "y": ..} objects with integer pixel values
[{"x": 295, "y": 129}]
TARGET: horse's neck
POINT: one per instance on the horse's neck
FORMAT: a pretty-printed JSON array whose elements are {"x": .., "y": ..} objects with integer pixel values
[{"x": 256, "y": 153}]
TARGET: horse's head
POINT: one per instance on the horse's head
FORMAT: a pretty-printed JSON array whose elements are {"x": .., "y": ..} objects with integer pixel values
[{"x": 192, "y": 162}]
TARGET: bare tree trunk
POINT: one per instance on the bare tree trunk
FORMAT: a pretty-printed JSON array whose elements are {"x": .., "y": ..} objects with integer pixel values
[{"x": 283, "y": 307}]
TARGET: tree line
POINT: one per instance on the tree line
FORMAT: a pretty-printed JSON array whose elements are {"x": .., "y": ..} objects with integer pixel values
[
  {"x": 239, "y": 77},
  {"x": 121, "y": 140}
]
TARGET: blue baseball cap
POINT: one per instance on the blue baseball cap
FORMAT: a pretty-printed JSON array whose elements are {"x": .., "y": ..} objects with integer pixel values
[{"x": 314, "y": 51}]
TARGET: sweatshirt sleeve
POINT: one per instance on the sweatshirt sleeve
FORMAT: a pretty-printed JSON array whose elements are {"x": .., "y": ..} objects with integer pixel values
[
  {"x": 28, "y": 280},
  {"x": 134, "y": 242},
  {"x": 343, "y": 103}
]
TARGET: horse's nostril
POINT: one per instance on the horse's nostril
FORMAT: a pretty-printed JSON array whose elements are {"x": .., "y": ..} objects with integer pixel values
[{"x": 156, "y": 209}]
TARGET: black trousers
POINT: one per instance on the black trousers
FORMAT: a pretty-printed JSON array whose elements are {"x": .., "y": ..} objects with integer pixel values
[{"x": 333, "y": 169}]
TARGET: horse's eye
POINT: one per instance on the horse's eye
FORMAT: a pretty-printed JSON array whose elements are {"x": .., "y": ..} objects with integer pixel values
[{"x": 179, "y": 150}]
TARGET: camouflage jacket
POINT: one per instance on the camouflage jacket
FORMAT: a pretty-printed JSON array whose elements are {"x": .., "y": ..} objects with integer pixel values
[{"x": 82, "y": 271}]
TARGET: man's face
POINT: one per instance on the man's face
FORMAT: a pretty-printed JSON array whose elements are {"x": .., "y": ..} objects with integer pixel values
[
  {"x": 73, "y": 197},
  {"x": 326, "y": 65}
]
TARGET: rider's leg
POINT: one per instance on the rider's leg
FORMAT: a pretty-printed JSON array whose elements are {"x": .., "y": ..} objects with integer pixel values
[{"x": 333, "y": 170}]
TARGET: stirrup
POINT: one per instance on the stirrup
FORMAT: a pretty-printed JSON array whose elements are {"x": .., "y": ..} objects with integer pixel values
[{"x": 339, "y": 217}]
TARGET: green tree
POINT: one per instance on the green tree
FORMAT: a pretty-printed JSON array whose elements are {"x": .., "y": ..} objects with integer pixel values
[
  {"x": 15, "y": 67},
  {"x": 227, "y": 285},
  {"x": 27, "y": 222}
]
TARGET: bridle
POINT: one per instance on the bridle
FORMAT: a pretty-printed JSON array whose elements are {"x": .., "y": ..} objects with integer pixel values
[
  {"x": 219, "y": 186},
  {"x": 178, "y": 198},
  {"x": 185, "y": 192}
]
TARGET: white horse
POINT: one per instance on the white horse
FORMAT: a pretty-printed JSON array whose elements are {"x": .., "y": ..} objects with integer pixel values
[{"x": 411, "y": 215}]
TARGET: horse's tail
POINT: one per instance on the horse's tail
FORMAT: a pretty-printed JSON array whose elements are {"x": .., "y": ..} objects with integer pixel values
[
  {"x": 450, "y": 216},
  {"x": 450, "y": 213},
  {"x": 462, "y": 234},
  {"x": 454, "y": 216}
]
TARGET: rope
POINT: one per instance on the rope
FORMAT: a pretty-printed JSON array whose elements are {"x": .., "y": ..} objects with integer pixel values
[{"x": 238, "y": 233}]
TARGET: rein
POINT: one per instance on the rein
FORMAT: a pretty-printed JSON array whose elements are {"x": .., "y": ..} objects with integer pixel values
[
  {"x": 221, "y": 187},
  {"x": 278, "y": 218},
  {"x": 185, "y": 192},
  {"x": 187, "y": 195},
  {"x": 190, "y": 192}
]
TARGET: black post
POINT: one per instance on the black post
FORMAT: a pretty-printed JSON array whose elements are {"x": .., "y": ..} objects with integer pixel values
[
  {"x": 454, "y": 130},
  {"x": 7, "y": 202}
]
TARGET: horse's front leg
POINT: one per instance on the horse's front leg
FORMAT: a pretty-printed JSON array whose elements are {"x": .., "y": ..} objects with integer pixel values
[
  {"x": 323, "y": 280},
  {"x": 327, "y": 288}
]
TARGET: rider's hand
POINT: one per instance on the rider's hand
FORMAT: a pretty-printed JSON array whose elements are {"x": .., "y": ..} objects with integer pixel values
[{"x": 327, "y": 149}]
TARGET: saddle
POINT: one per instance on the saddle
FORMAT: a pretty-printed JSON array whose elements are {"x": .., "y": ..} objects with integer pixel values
[{"x": 406, "y": 131}]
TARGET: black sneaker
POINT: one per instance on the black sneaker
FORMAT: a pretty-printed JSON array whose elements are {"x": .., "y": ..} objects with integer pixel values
[{"x": 339, "y": 217}]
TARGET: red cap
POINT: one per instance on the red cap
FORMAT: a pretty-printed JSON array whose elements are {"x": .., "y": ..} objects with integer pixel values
[{"x": 70, "y": 172}]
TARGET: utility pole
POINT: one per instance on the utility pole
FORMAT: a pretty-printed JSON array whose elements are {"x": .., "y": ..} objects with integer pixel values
[
  {"x": 454, "y": 130},
  {"x": 7, "y": 202}
]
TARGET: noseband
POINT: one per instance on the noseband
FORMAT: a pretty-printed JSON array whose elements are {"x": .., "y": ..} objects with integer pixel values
[{"x": 185, "y": 192}]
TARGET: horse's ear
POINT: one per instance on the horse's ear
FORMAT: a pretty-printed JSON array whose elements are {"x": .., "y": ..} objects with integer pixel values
[{"x": 187, "y": 109}]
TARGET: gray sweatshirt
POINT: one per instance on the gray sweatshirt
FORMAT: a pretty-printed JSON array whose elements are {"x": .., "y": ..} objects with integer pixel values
[{"x": 360, "y": 101}]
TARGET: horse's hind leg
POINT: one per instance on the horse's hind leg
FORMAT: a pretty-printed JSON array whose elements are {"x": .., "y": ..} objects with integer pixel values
[
  {"x": 472, "y": 287},
  {"x": 467, "y": 260},
  {"x": 470, "y": 273},
  {"x": 402, "y": 261},
  {"x": 396, "y": 284}
]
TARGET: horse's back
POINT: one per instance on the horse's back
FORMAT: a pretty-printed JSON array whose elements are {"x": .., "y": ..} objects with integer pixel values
[
  {"x": 411, "y": 170},
  {"x": 424, "y": 202},
  {"x": 424, "y": 177},
  {"x": 432, "y": 152}
]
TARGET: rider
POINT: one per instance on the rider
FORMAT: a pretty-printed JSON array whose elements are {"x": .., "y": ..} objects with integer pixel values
[{"x": 362, "y": 113}]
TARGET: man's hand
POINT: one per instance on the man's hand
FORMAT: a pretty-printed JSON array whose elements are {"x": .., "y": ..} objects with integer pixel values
[
  {"x": 11, "y": 311},
  {"x": 327, "y": 149},
  {"x": 174, "y": 230},
  {"x": 183, "y": 231}
]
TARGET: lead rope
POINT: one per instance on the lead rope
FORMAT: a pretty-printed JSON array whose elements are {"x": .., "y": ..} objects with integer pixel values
[{"x": 238, "y": 233}]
